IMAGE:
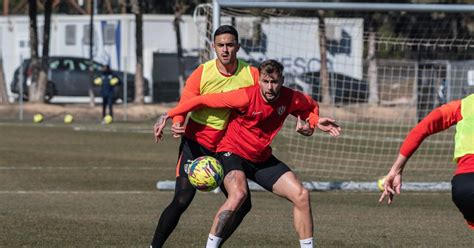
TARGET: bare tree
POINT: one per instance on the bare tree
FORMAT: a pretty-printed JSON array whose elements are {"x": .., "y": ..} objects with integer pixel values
[
  {"x": 139, "y": 82},
  {"x": 205, "y": 54},
  {"x": 123, "y": 6},
  {"x": 108, "y": 7},
  {"x": 5, "y": 7},
  {"x": 372, "y": 69},
  {"x": 35, "y": 63},
  {"x": 90, "y": 10},
  {"x": 179, "y": 8},
  {"x": 19, "y": 6},
  {"x": 3, "y": 88},
  {"x": 39, "y": 95},
  {"x": 323, "y": 72}
]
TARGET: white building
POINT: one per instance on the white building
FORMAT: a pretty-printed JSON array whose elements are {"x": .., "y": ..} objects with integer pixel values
[
  {"x": 292, "y": 41},
  {"x": 114, "y": 40}
]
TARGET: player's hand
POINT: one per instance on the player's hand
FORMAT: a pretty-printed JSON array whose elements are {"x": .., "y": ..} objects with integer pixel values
[
  {"x": 303, "y": 127},
  {"x": 159, "y": 126},
  {"x": 329, "y": 126},
  {"x": 177, "y": 129},
  {"x": 392, "y": 185}
]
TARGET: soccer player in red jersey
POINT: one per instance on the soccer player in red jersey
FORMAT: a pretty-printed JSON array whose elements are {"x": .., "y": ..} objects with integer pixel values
[
  {"x": 461, "y": 114},
  {"x": 205, "y": 127},
  {"x": 245, "y": 152}
]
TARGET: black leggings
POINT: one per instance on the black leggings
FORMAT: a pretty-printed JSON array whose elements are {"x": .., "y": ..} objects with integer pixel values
[
  {"x": 107, "y": 100},
  {"x": 183, "y": 196},
  {"x": 463, "y": 194}
]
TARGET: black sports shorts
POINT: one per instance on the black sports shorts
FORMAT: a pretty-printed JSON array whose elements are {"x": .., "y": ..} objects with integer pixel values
[
  {"x": 264, "y": 174},
  {"x": 462, "y": 191},
  {"x": 188, "y": 151}
]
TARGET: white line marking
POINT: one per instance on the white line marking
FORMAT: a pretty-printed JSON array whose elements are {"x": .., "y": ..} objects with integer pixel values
[
  {"x": 75, "y": 168},
  {"x": 26, "y": 192}
]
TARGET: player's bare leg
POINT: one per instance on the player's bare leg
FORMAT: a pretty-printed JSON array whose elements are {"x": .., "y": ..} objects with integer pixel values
[
  {"x": 291, "y": 188},
  {"x": 235, "y": 183}
]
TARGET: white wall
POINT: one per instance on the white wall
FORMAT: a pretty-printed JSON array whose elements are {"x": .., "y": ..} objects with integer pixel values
[{"x": 158, "y": 36}]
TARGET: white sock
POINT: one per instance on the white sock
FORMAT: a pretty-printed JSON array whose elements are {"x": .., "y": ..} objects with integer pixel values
[
  {"x": 213, "y": 241},
  {"x": 306, "y": 243}
]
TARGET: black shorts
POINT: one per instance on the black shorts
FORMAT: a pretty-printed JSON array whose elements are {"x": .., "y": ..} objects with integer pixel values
[
  {"x": 188, "y": 151},
  {"x": 264, "y": 174},
  {"x": 463, "y": 194}
]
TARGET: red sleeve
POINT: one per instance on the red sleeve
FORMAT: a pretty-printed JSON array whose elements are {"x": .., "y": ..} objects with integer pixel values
[
  {"x": 191, "y": 89},
  {"x": 438, "y": 120},
  {"x": 306, "y": 108},
  {"x": 255, "y": 74},
  {"x": 236, "y": 99}
]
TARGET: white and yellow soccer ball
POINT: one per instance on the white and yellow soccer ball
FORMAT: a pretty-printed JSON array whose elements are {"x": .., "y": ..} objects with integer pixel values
[
  {"x": 380, "y": 184},
  {"x": 98, "y": 81},
  {"x": 38, "y": 118},
  {"x": 68, "y": 119},
  {"x": 205, "y": 173},
  {"x": 108, "y": 119},
  {"x": 114, "y": 81}
]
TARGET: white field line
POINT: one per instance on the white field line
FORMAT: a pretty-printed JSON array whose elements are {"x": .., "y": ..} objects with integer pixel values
[
  {"x": 113, "y": 130},
  {"x": 91, "y": 128},
  {"x": 34, "y": 192},
  {"x": 75, "y": 168}
]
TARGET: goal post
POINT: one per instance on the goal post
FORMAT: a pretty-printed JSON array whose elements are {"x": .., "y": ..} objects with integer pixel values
[{"x": 388, "y": 66}]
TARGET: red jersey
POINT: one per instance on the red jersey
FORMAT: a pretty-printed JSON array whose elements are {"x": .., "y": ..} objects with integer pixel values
[
  {"x": 208, "y": 126},
  {"x": 438, "y": 120},
  {"x": 254, "y": 122}
]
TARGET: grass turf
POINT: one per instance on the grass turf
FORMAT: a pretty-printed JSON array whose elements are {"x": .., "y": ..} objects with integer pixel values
[{"x": 93, "y": 186}]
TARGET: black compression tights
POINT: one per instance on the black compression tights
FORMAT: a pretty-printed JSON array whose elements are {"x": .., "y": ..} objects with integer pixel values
[
  {"x": 183, "y": 196},
  {"x": 237, "y": 219}
]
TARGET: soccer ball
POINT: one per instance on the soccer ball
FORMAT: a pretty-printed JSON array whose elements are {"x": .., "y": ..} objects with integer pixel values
[
  {"x": 205, "y": 173},
  {"x": 68, "y": 119},
  {"x": 38, "y": 118},
  {"x": 108, "y": 119}
]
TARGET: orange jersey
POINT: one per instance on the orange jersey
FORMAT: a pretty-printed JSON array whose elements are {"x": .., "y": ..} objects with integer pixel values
[
  {"x": 254, "y": 122},
  {"x": 438, "y": 120},
  {"x": 207, "y": 126}
]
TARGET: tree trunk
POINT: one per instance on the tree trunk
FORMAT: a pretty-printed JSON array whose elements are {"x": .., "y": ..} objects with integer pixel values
[
  {"x": 323, "y": 72},
  {"x": 139, "y": 97},
  {"x": 35, "y": 65},
  {"x": 91, "y": 53},
  {"x": 3, "y": 88},
  {"x": 5, "y": 7},
  {"x": 123, "y": 6},
  {"x": 108, "y": 7},
  {"x": 205, "y": 53},
  {"x": 179, "y": 9},
  {"x": 43, "y": 76},
  {"x": 179, "y": 53},
  {"x": 372, "y": 70}
]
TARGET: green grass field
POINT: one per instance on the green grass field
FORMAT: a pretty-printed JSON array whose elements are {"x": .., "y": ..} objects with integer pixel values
[{"x": 88, "y": 185}]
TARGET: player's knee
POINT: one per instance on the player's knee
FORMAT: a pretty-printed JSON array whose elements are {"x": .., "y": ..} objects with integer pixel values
[
  {"x": 301, "y": 199},
  {"x": 237, "y": 198},
  {"x": 182, "y": 202}
]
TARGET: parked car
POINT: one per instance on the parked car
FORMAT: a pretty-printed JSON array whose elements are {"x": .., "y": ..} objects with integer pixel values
[
  {"x": 344, "y": 89},
  {"x": 69, "y": 76}
]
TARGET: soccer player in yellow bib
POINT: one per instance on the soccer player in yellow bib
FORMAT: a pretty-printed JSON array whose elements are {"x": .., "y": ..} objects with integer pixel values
[
  {"x": 206, "y": 126},
  {"x": 461, "y": 114}
]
